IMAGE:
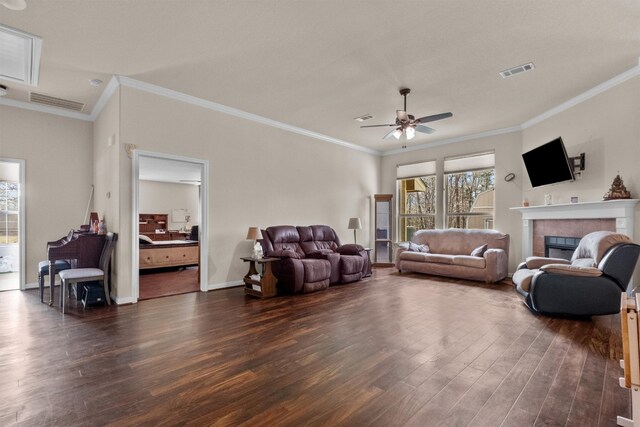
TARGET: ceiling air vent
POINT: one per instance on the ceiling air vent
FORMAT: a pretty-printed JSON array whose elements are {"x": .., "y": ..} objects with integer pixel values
[
  {"x": 517, "y": 70},
  {"x": 363, "y": 118},
  {"x": 39, "y": 98}
]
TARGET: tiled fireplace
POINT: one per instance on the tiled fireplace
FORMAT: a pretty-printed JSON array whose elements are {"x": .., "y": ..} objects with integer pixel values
[{"x": 573, "y": 220}]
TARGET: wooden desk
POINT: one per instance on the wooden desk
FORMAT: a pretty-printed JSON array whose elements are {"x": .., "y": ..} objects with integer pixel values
[{"x": 266, "y": 286}]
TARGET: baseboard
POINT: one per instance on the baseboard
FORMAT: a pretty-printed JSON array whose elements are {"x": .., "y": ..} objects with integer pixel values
[
  {"x": 124, "y": 300},
  {"x": 35, "y": 285},
  {"x": 232, "y": 284}
]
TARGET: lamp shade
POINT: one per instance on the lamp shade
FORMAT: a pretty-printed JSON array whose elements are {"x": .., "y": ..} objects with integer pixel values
[
  {"x": 254, "y": 234},
  {"x": 354, "y": 224}
]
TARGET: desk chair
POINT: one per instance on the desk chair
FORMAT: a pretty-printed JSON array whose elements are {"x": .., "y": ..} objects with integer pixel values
[
  {"x": 81, "y": 275},
  {"x": 43, "y": 270}
]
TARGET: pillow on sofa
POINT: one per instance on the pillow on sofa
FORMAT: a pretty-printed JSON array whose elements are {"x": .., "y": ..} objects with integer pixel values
[
  {"x": 144, "y": 240},
  {"x": 479, "y": 251},
  {"x": 413, "y": 247},
  {"x": 350, "y": 249},
  {"x": 284, "y": 253}
]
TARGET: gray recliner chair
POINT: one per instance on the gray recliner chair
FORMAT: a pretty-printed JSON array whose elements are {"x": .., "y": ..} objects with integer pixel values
[{"x": 588, "y": 285}]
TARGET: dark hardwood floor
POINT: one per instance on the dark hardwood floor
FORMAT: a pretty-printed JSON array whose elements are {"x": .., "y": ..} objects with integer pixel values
[
  {"x": 387, "y": 351},
  {"x": 162, "y": 282}
]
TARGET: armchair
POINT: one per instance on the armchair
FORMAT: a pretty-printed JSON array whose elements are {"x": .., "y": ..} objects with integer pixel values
[{"x": 588, "y": 285}]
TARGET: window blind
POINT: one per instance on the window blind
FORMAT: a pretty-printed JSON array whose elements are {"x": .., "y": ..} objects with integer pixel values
[
  {"x": 416, "y": 169},
  {"x": 468, "y": 163}
]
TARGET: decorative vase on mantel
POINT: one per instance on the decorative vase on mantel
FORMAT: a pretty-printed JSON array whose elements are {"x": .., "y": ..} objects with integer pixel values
[{"x": 617, "y": 190}]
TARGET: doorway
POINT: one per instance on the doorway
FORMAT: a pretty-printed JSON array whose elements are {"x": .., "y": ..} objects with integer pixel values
[
  {"x": 12, "y": 233},
  {"x": 170, "y": 219}
]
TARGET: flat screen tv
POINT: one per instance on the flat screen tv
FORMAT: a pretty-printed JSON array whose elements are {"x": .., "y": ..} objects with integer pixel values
[{"x": 548, "y": 164}]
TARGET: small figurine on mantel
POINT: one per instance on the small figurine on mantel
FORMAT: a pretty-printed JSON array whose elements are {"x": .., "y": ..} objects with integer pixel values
[{"x": 617, "y": 190}]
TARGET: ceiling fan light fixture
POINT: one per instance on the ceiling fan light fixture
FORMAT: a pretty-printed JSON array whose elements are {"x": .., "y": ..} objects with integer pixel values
[
  {"x": 411, "y": 132},
  {"x": 397, "y": 133}
]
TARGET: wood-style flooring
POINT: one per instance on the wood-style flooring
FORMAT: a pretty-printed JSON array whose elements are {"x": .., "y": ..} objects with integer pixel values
[
  {"x": 162, "y": 282},
  {"x": 390, "y": 350}
]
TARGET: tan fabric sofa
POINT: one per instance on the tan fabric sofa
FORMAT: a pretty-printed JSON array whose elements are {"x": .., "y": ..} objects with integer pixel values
[{"x": 449, "y": 254}]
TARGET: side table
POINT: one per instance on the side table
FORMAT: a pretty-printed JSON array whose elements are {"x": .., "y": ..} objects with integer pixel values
[{"x": 266, "y": 286}]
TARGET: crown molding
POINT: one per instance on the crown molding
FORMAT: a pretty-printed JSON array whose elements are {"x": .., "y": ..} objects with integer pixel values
[
  {"x": 597, "y": 90},
  {"x": 210, "y": 105},
  {"x": 45, "y": 109},
  {"x": 117, "y": 81},
  {"x": 106, "y": 95}
]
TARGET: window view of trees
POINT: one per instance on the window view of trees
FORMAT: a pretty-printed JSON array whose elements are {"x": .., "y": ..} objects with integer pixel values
[
  {"x": 9, "y": 203},
  {"x": 470, "y": 199},
  {"x": 417, "y": 205}
]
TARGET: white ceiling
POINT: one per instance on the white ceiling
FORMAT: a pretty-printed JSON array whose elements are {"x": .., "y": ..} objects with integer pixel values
[{"x": 319, "y": 64}]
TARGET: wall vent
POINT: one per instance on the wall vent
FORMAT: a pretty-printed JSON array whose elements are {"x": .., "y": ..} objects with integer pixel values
[
  {"x": 39, "y": 98},
  {"x": 517, "y": 70},
  {"x": 363, "y": 118}
]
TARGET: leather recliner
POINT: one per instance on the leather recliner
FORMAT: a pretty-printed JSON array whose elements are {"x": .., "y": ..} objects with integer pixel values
[
  {"x": 588, "y": 285},
  {"x": 312, "y": 258}
]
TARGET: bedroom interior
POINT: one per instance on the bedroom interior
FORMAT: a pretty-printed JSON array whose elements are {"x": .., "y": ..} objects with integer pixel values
[{"x": 270, "y": 107}]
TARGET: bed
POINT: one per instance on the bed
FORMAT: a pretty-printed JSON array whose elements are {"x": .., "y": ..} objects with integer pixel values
[{"x": 168, "y": 253}]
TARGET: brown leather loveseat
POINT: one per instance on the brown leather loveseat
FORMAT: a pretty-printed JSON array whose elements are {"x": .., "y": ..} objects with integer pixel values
[{"x": 312, "y": 258}]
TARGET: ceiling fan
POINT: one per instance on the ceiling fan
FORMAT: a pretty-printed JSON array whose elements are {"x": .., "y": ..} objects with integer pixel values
[{"x": 408, "y": 124}]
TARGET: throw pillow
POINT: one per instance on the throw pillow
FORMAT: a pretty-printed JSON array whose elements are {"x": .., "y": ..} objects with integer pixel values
[
  {"x": 144, "y": 240},
  {"x": 479, "y": 251},
  {"x": 350, "y": 249},
  {"x": 414, "y": 247}
]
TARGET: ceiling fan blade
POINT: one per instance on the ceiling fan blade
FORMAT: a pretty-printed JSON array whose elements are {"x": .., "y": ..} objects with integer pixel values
[
  {"x": 425, "y": 129},
  {"x": 389, "y": 135},
  {"x": 434, "y": 117},
  {"x": 377, "y": 126},
  {"x": 402, "y": 115}
]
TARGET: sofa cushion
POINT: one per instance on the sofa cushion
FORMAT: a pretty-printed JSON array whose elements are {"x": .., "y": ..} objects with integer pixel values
[
  {"x": 470, "y": 261},
  {"x": 454, "y": 241},
  {"x": 479, "y": 251},
  {"x": 413, "y": 247},
  {"x": 437, "y": 258},
  {"x": 522, "y": 278},
  {"x": 351, "y": 264},
  {"x": 584, "y": 262},
  {"x": 571, "y": 270},
  {"x": 413, "y": 256}
]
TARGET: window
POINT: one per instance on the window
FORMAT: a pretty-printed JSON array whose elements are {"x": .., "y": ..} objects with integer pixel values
[
  {"x": 469, "y": 191},
  {"x": 9, "y": 203},
  {"x": 416, "y": 198}
]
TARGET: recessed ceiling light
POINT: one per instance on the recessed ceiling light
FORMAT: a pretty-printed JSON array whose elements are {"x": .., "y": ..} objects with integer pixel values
[
  {"x": 95, "y": 82},
  {"x": 14, "y": 4},
  {"x": 3, "y": 90}
]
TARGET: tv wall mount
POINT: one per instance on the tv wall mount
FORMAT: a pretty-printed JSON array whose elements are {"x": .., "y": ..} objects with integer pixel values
[{"x": 578, "y": 162}]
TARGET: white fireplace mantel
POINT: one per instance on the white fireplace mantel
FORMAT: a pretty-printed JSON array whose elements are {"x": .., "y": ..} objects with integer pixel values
[{"x": 622, "y": 210}]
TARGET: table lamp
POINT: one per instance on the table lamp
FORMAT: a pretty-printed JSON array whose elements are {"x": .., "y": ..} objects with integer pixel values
[
  {"x": 254, "y": 234},
  {"x": 354, "y": 224}
]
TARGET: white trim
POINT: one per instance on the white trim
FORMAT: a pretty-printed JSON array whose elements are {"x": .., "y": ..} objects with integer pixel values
[
  {"x": 135, "y": 226},
  {"x": 453, "y": 140},
  {"x": 107, "y": 93},
  {"x": 116, "y": 81},
  {"x": 190, "y": 99},
  {"x": 124, "y": 300},
  {"x": 224, "y": 285},
  {"x": 45, "y": 109},
  {"x": 597, "y": 90},
  {"x": 22, "y": 204},
  {"x": 622, "y": 210}
]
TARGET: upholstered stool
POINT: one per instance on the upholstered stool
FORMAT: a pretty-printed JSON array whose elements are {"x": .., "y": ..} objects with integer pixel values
[{"x": 43, "y": 270}]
